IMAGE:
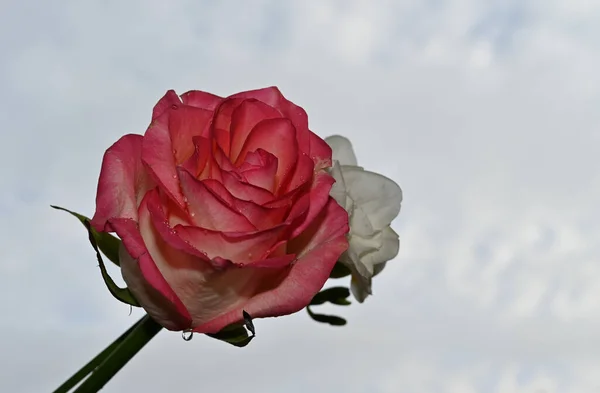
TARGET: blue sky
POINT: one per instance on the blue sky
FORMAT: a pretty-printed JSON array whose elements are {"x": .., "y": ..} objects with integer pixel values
[{"x": 485, "y": 112}]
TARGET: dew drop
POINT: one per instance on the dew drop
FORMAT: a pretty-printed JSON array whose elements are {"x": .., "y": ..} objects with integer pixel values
[
  {"x": 192, "y": 214},
  {"x": 174, "y": 106},
  {"x": 187, "y": 335},
  {"x": 174, "y": 176},
  {"x": 174, "y": 152},
  {"x": 185, "y": 200}
]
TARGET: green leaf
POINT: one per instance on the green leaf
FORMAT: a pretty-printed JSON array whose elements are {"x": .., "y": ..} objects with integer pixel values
[
  {"x": 335, "y": 295},
  {"x": 234, "y": 334},
  {"x": 330, "y": 319},
  {"x": 340, "y": 302},
  {"x": 122, "y": 294},
  {"x": 94, "y": 363},
  {"x": 107, "y": 243},
  {"x": 339, "y": 270}
]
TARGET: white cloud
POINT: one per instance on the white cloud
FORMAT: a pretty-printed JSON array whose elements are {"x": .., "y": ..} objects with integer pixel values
[{"x": 484, "y": 112}]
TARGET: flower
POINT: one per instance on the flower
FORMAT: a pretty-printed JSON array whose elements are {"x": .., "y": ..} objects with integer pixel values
[
  {"x": 372, "y": 202},
  {"x": 222, "y": 206}
]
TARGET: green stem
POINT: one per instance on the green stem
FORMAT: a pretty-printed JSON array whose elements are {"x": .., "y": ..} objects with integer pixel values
[
  {"x": 145, "y": 330},
  {"x": 92, "y": 364}
]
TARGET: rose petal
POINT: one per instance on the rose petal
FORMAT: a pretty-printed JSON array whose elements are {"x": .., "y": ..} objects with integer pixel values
[
  {"x": 166, "y": 102},
  {"x": 262, "y": 175},
  {"x": 122, "y": 184},
  {"x": 246, "y": 191},
  {"x": 318, "y": 198},
  {"x": 204, "y": 291},
  {"x": 239, "y": 248},
  {"x": 320, "y": 151},
  {"x": 273, "y": 97},
  {"x": 208, "y": 210},
  {"x": 244, "y": 118},
  {"x": 318, "y": 251},
  {"x": 143, "y": 277},
  {"x": 157, "y": 154},
  {"x": 201, "y": 99},
  {"x": 186, "y": 123},
  {"x": 303, "y": 173},
  {"x": 261, "y": 217},
  {"x": 278, "y": 137},
  {"x": 202, "y": 157},
  {"x": 222, "y": 122}
]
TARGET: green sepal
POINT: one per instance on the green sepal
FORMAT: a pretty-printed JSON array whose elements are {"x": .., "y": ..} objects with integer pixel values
[
  {"x": 330, "y": 319},
  {"x": 107, "y": 243},
  {"x": 335, "y": 295},
  {"x": 235, "y": 334},
  {"x": 122, "y": 294},
  {"x": 339, "y": 271}
]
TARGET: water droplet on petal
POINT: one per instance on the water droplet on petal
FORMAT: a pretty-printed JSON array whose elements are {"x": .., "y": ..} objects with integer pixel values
[
  {"x": 192, "y": 214},
  {"x": 187, "y": 335},
  {"x": 174, "y": 152},
  {"x": 185, "y": 200},
  {"x": 174, "y": 176},
  {"x": 174, "y": 106}
]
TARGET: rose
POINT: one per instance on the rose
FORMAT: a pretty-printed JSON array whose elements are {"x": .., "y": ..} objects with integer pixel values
[
  {"x": 372, "y": 202},
  {"x": 222, "y": 206}
]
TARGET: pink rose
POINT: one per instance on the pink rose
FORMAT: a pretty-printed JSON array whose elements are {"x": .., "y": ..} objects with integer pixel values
[{"x": 222, "y": 205}]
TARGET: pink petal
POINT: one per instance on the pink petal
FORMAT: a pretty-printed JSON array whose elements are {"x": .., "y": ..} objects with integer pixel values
[
  {"x": 164, "y": 229},
  {"x": 169, "y": 100},
  {"x": 291, "y": 291},
  {"x": 263, "y": 174},
  {"x": 222, "y": 122},
  {"x": 201, "y": 99},
  {"x": 208, "y": 210},
  {"x": 184, "y": 125},
  {"x": 278, "y": 137},
  {"x": 320, "y": 151},
  {"x": 122, "y": 184},
  {"x": 239, "y": 248},
  {"x": 204, "y": 291},
  {"x": 303, "y": 173},
  {"x": 197, "y": 163},
  {"x": 157, "y": 154},
  {"x": 273, "y": 97},
  {"x": 244, "y": 118},
  {"x": 245, "y": 191},
  {"x": 260, "y": 216},
  {"x": 144, "y": 279},
  {"x": 319, "y": 196},
  {"x": 222, "y": 160}
]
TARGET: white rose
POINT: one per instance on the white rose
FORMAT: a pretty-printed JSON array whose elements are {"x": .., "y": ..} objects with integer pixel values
[{"x": 372, "y": 202}]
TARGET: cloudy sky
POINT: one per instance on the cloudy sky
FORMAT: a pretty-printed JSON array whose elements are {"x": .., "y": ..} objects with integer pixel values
[{"x": 486, "y": 112}]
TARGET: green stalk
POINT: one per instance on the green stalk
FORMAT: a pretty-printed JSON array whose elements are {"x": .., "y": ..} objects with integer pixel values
[
  {"x": 95, "y": 362},
  {"x": 141, "y": 334}
]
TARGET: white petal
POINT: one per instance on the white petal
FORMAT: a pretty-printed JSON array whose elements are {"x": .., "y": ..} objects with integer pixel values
[
  {"x": 388, "y": 249},
  {"x": 375, "y": 197},
  {"x": 341, "y": 149},
  {"x": 379, "y": 268},
  {"x": 338, "y": 190},
  {"x": 360, "y": 289}
]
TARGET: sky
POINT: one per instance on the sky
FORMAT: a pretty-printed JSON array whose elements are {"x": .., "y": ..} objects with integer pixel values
[{"x": 484, "y": 111}]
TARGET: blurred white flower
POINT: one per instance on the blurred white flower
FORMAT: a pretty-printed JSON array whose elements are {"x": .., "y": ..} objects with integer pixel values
[{"x": 372, "y": 202}]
